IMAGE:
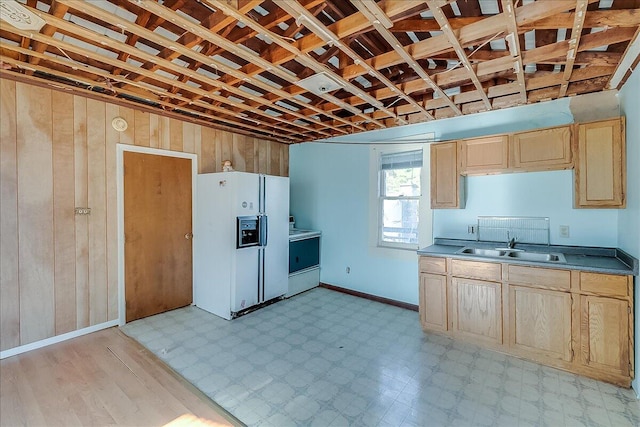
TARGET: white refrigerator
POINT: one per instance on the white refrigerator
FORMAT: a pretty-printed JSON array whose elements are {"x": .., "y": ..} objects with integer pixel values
[{"x": 241, "y": 241}]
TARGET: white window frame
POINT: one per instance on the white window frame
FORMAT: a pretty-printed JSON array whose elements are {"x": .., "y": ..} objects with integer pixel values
[{"x": 382, "y": 198}]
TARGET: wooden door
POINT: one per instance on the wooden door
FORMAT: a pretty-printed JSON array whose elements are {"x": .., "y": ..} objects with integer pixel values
[
  {"x": 540, "y": 322},
  {"x": 477, "y": 309},
  {"x": 446, "y": 188},
  {"x": 604, "y": 333},
  {"x": 433, "y": 301},
  {"x": 601, "y": 167},
  {"x": 157, "y": 229},
  {"x": 484, "y": 155}
]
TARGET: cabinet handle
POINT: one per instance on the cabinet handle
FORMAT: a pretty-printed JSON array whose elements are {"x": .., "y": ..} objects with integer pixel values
[{"x": 188, "y": 236}]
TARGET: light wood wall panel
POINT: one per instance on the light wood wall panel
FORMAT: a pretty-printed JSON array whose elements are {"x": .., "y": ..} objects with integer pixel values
[
  {"x": 58, "y": 151},
  {"x": 63, "y": 212},
  {"x": 9, "y": 288},
  {"x": 35, "y": 213},
  {"x": 82, "y": 200},
  {"x": 96, "y": 128},
  {"x": 111, "y": 140}
]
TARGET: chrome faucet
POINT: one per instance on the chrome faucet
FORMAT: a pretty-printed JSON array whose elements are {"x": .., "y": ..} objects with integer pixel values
[{"x": 511, "y": 243}]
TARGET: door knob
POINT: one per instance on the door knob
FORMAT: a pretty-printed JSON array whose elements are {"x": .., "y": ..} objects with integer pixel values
[{"x": 188, "y": 236}]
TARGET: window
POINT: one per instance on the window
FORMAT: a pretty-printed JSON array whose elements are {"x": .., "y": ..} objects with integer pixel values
[{"x": 399, "y": 199}]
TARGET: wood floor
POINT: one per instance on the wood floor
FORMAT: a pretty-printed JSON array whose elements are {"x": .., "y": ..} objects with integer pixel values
[{"x": 104, "y": 378}]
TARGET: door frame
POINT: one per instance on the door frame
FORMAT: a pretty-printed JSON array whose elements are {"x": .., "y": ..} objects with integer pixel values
[{"x": 120, "y": 150}]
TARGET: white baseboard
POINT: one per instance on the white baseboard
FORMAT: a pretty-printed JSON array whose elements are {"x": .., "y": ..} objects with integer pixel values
[{"x": 58, "y": 338}]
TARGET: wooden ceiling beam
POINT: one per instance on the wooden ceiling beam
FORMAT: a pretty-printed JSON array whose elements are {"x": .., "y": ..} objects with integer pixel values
[
  {"x": 574, "y": 42},
  {"x": 58, "y": 10},
  {"x": 36, "y": 81},
  {"x": 306, "y": 61},
  {"x": 108, "y": 87},
  {"x": 202, "y": 33},
  {"x": 379, "y": 18},
  {"x": 587, "y": 42},
  {"x": 345, "y": 27},
  {"x": 159, "y": 11},
  {"x": 593, "y": 19},
  {"x": 148, "y": 57},
  {"x": 316, "y": 26},
  {"x": 481, "y": 29},
  {"x": 214, "y": 23},
  {"x": 513, "y": 42},
  {"x": 439, "y": 16}
]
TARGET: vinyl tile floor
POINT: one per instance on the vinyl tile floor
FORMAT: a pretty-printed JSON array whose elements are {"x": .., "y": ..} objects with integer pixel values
[{"x": 323, "y": 358}]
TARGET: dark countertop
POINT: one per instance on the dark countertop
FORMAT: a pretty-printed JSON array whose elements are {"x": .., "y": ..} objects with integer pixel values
[{"x": 586, "y": 258}]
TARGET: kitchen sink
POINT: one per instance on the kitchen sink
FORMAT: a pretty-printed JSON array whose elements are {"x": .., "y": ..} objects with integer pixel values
[
  {"x": 482, "y": 252},
  {"x": 537, "y": 256},
  {"x": 516, "y": 254}
]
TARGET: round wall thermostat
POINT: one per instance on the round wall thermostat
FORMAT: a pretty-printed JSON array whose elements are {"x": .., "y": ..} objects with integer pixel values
[{"x": 119, "y": 124}]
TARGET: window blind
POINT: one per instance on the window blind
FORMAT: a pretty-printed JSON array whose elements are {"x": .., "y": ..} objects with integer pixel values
[{"x": 401, "y": 160}]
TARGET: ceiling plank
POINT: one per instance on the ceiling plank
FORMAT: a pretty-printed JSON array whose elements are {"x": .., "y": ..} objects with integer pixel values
[
  {"x": 514, "y": 46},
  {"x": 158, "y": 11},
  {"x": 574, "y": 42},
  {"x": 378, "y": 19},
  {"x": 439, "y": 16}
]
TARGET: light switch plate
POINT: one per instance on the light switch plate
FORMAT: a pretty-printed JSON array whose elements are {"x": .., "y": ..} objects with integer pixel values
[{"x": 564, "y": 231}]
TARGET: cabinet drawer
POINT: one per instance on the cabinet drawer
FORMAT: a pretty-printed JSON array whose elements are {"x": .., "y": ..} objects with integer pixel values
[
  {"x": 540, "y": 277},
  {"x": 433, "y": 265},
  {"x": 604, "y": 284},
  {"x": 476, "y": 270}
]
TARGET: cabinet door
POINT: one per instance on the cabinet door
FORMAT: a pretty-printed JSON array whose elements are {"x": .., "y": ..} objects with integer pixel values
[
  {"x": 600, "y": 175},
  {"x": 545, "y": 149},
  {"x": 540, "y": 322},
  {"x": 446, "y": 188},
  {"x": 476, "y": 309},
  {"x": 604, "y": 334},
  {"x": 484, "y": 155},
  {"x": 433, "y": 301}
]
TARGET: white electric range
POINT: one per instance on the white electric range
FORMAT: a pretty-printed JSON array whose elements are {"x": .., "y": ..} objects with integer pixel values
[{"x": 304, "y": 260}]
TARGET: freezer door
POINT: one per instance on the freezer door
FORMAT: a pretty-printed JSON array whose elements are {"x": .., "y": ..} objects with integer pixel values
[
  {"x": 245, "y": 294},
  {"x": 276, "y": 252},
  {"x": 247, "y": 193}
]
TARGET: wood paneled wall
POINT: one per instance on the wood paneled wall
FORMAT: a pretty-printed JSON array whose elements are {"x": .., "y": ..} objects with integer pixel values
[{"x": 58, "y": 270}]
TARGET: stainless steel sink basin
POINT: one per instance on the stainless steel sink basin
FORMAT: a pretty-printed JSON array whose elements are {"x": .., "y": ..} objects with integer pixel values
[
  {"x": 537, "y": 256},
  {"x": 482, "y": 252},
  {"x": 518, "y": 254}
]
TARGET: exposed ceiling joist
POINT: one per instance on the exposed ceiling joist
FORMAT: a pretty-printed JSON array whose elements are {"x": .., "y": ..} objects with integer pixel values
[{"x": 300, "y": 70}]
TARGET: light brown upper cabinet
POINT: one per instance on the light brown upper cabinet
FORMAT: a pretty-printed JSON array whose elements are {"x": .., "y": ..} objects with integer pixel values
[
  {"x": 481, "y": 156},
  {"x": 600, "y": 171},
  {"x": 544, "y": 149},
  {"x": 446, "y": 183}
]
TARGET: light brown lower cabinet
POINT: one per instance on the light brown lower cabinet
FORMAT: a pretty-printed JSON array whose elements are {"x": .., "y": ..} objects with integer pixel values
[
  {"x": 433, "y": 301},
  {"x": 577, "y": 321},
  {"x": 540, "y": 322},
  {"x": 476, "y": 309},
  {"x": 605, "y": 334}
]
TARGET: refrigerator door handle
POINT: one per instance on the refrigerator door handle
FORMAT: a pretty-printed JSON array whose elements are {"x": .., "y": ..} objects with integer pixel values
[{"x": 264, "y": 230}]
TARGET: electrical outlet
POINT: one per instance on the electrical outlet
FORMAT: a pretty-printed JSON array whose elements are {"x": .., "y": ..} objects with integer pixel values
[
  {"x": 348, "y": 270},
  {"x": 564, "y": 231}
]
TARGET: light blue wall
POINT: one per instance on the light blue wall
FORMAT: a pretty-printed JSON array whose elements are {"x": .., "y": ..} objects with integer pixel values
[
  {"x": 629, "y": 219},
  {"x": 538, "y": 194},
  {"x": 330, "y": 187},
  {"x": 330, "y": 192}
]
